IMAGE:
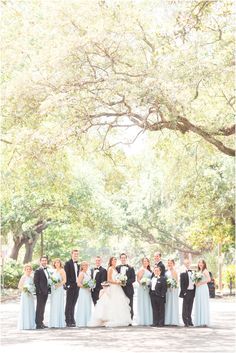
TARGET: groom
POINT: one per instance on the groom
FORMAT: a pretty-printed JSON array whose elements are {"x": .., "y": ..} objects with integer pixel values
[
  {"x": 127, "y": 270},
  {"x": 98, "y": 273}
]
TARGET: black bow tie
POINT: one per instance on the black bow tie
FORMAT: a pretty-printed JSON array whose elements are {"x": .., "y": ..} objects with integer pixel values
[
  {"x": 189, "y": 270},
  {"x": 96, "y": 268},
  {"x": 125, "y": 265},
  {"x": 75, "y": 262},
  {"x": 45, "y": 268}
]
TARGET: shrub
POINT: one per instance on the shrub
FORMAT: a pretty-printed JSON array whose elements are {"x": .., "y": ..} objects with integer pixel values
[
  {"x": 12, "y": 272},
  {"x": 229, "y": 273}
]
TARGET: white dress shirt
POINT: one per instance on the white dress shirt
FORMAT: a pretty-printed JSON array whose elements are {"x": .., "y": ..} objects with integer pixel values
[
  {"x": 154, "y": 282},
  {"x": 190, "y": 282},
  {"x": 45, "y": 270},
  {"x": 76, "y": 269},
  {"x": 123, "y": 269}
]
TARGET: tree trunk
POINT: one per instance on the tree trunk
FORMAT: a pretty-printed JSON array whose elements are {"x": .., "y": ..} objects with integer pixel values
[
  {"x": 29, "y": 248},
  {"x": 16, "y": 248}
]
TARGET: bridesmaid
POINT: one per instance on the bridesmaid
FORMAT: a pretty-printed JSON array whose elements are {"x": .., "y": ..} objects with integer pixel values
[
  {"x": 144, "y": 302},
  {"x": 84, "y": 304},
  {"x": 27, "y": 309},
  {"x": 57, "y": 317},
  {"x": 172, "y": 297},
  {"x": 202, "y": 305}
]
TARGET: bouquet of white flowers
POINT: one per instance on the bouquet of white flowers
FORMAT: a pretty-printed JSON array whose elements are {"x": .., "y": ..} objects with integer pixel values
[
  {"x": 196, "y": 276},
  {"x": 29, "y": 288},
  {"x": 145, "y": 282},
  {"x": 54, "y": 280},
  {"x": 171, "y": 282},
  {"x": 123, "y": 278},
  {"x": 91, "y": 284}
]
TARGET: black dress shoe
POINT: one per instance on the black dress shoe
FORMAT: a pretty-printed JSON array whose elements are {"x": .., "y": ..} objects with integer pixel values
[
  {"x": 39, "y": 327},
  {"x": 153, "y": 325},
  {"x": 191, "y": 324},
  {"x": 44, "y": 326},
  {"x": 73, "y": 325},
  {"x": 186, "y": 325}
]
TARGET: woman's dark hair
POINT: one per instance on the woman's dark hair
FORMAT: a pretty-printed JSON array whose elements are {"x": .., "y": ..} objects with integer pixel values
[
  {"x": 110, "y": 261},
  {"x": 148, "y": 266},
  {"x": 172, "y": 260},
  {"x": 157, "y": 267},
  {"x": 204, "y": 265}
]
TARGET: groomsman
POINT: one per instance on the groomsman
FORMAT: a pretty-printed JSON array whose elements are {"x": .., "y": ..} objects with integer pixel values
[
  {"x": 72, "y": 290},
  {"x": 159, "y": 263},
  {"x": 98, "y": 273},
  {"x": 41, "y": 277},
  {"x": 158, "y": 294},
  {"x": 187, "y": 292},
  {"x": 127, "y": 270}
]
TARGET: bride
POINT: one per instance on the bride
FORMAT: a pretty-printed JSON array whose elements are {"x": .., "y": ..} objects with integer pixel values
[{"x": 112, "y": 308}]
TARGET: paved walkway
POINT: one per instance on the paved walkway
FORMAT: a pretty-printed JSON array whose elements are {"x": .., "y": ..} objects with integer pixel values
[{"x": 220, "y": 337}]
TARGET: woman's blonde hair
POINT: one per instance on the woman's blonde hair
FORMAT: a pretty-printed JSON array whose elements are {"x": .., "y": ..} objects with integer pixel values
[
  {"x": 83, "y": 263},
  {"x": 28, "y": 265}
]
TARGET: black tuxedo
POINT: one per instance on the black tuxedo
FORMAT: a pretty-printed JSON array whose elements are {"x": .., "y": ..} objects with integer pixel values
[
  {"x": 128, "y": 288},
  {"x": 158, "y": 301},
  {"x": 42, "y": 289},
  {"x": 188, "y": 298},
  {"x": 72, "y": 290},
  {"x": 162, "y": 266},
  {"x": 100, "y": 277}
]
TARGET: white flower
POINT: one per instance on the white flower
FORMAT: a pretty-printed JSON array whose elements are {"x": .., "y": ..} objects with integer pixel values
[
  {"x": 145, "y": 282},
  {"x": 123, "y": 278},
  {"x": 197, "y": 276}
]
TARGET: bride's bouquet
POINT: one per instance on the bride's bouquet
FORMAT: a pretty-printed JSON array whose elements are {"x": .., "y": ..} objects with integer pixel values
[
  {"x": 171, "y": 282},
  {"x": 91, "y": 284},
  {"x": 123, "y": 278},
  {"x": 145, "y": 282},
  {"x": 196, "y": 276}
]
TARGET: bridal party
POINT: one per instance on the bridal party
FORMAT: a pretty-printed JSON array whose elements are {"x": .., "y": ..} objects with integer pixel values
[{"x": 94, "y": 295}]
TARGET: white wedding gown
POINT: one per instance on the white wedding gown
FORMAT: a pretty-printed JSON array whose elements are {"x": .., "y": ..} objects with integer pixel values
[{"x": 112, "y": 309}]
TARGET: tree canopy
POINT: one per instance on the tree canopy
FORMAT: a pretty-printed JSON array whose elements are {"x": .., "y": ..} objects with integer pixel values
[{"x": 117, "y": 126}]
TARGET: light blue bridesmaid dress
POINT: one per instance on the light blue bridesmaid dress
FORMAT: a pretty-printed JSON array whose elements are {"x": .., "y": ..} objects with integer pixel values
[
  {"x": 26, "y": 319},
  {"x": 84, "y": 305},
  {"x": 202, "y": 305},
  {"x": 144, "y": 307},
  {"x": 172, "y": 304},
  {"x": 57, "y": 315}
]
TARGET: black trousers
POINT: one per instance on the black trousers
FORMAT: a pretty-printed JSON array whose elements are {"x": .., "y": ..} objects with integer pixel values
[
  {"x": 158, "y": 309},
  {"x": 95, "y": 295},
  {"x": 40, "y": 308},
  {"x": 71, "y": 299},
  {"x": 187, "y": 307},
  {"x": 131, "y": 301}
]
